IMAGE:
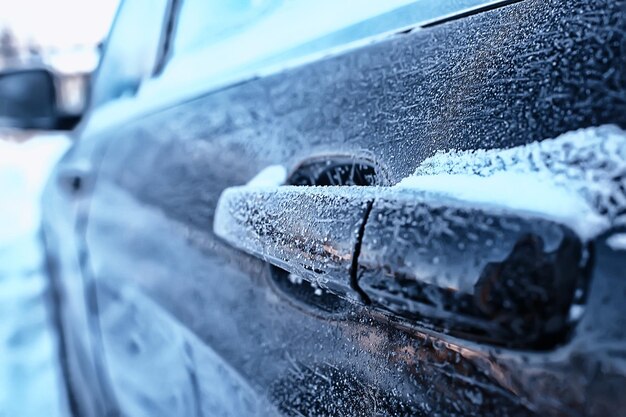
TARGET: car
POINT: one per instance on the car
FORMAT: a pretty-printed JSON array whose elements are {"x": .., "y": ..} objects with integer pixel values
[{"x": 344, "y": 209}]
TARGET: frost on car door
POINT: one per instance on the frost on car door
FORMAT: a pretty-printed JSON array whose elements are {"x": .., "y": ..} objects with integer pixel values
[{"x": 191, "y": 324}]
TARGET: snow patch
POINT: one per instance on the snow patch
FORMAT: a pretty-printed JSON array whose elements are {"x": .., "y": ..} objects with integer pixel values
[
  {"x": 30, "y": 377},
  {"x": 517, "y": 192},
  {"x": 24, "y": 169},
  {"x": 578, "y": 179}
]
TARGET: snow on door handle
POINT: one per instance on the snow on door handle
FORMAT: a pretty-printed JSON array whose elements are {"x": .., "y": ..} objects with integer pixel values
[
  {"x": 478, "y": 271},
  {"x": 309, "y": 231}
]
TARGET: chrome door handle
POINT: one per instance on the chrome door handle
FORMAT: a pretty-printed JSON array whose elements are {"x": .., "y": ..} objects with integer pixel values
[
  {"x": 308, "y": 231},
  {"x": 478, "y": 271},
  {"x": 482, "y": 271}
]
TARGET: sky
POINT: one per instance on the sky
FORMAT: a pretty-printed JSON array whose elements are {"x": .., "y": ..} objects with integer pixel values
[{"x": 58, "y": 23}]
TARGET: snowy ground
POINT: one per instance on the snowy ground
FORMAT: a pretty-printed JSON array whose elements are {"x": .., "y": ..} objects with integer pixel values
[{"x": 29, "y": 370}]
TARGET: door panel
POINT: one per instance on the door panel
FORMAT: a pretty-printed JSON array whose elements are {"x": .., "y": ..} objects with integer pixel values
[{"x": 200, "y": 320}]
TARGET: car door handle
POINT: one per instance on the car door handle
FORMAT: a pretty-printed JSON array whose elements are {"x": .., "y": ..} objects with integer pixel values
[
  {"x": 309, "y": 231},
  {"x": 491, "y": 273},
  {"x": 480, "y": 271}
]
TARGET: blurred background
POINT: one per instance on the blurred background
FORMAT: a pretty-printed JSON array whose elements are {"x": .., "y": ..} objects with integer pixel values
[{"x": 64, "y": 36}]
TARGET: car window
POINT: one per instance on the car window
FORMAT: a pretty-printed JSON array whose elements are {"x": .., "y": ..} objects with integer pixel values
[
  {"x": 235, "y": 34},
  {"x": 130, "y": 54},
  {"x": 204, "y": 22},
  {"x": 215, "y": 43}
]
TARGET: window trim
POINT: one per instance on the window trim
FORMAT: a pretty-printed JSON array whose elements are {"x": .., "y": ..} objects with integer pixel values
[{"x": 167, "y": 36}]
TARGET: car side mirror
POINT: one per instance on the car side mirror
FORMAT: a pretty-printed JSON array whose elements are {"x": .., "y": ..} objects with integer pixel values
[{"x": 28, "y": 100}]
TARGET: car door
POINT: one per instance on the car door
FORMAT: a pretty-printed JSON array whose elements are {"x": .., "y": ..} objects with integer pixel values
[{"x": 274, "y": 299}]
